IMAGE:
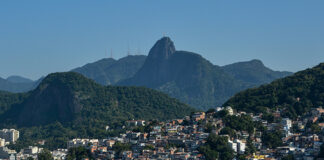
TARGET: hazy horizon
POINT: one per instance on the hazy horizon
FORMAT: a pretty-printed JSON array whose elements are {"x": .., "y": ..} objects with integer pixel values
[{"x": 41, "y": 37}]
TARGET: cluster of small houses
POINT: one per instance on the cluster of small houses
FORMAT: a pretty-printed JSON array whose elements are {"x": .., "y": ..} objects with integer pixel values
[{"x": 174, "y": 140}]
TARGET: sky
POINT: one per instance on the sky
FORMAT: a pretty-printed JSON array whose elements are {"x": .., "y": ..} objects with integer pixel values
[{"x": 39, "y": 37}]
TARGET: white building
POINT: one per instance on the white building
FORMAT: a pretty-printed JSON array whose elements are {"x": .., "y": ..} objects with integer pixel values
[
  {"x": 240, "y": 146},
  {"x": 82, "y": 142},
  {"x": 233, "y": 145},
  {"x": 5, "y": 153},
  {"x": 2, "y": 142},
  {"x": 59, "y": 154},
  {"x": 237, "y": 145},
  {"x": 32, "y": 150},
  {"x": 286, "y": 123},
  {"x": 229, "y": 110},
  {"x": 219, "y": 109},
  {"x": 136, "y": 123},
  {"x": 10, "y": 135}
]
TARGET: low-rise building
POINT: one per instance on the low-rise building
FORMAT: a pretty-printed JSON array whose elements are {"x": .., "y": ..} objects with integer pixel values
[{"x": 10, "y": 135}]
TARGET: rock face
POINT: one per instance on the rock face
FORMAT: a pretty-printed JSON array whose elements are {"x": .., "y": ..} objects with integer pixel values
[
  {"x": 155, "y": 70},
  {"x": 53, "y": 100},
  {"x": 162, "y": 49},
  {"x": 184, "y": 75}
]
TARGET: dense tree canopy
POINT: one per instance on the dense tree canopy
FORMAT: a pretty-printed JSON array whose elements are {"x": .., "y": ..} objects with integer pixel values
[
  {"x": 295, "y": 94},
  {"x": 68, "y": 105},
  {"x": 217, "y": 147}
]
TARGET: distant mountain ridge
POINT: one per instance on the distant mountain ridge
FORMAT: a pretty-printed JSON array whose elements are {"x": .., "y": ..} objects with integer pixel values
[
  {"x": 193, "y": 79},
  {"x": 181, "y": 74},
  {"x": 109, "y": 71},
  {"x": 19, "y": 79},
  {"x": 253, "y": 72},
  {"x": 16, "y": 84}
]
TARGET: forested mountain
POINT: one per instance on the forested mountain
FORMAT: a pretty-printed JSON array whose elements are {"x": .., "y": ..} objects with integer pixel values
[
  {"x": 183, "y": 75},
  {"x": 193, "y": 79},
  {"x": 253, "y": 72},
  {"x": 82, "y": 108},
  {"x": 66, "y": 97},
  {"x": 108, "y": 71},
  {"x": 8, "y": 99},
  {"x": 105, "y": 71},
  {"x": 295, "y": 94}
]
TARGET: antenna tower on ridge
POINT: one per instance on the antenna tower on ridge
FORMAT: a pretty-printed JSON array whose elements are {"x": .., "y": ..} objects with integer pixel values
[{"x": 111, "y": 53}]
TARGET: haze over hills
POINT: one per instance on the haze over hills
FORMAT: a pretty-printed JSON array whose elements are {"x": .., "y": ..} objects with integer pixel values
[
  {"x": 253, "y": 72},
  {"x": 106, "y": 71},
  {"x": 193, "y": 79},
  {"x": 15, "y": 85},
  {"x": 19, "y": 79},
  {"x": 181, "y": 74},
  {"x": 294, "y": 95},
  {"x": 109, "y": 71}
]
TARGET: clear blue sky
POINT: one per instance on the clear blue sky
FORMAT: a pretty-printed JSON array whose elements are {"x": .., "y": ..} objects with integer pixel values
[{"x": 40, "y": 37}]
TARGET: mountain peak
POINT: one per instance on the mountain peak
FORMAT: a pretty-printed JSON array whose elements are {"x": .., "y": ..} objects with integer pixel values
[
  {"x": 18, "y": 79},
  {"x": 163, "y": 48},
  {"x": 257, "y": 62}
]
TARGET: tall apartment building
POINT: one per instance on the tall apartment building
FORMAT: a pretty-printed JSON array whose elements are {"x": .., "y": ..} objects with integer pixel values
[
  {"x": 10, "y": 135},
  {"x": 2, "y": 142}
]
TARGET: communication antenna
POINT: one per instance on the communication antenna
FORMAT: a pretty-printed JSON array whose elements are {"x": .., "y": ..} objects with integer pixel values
[
  {"x": 128, "y": 51},
  {"x": 139, "y": 51},
  {"x": 106, "y": 52},
  {"x": 111, "y": 53}
]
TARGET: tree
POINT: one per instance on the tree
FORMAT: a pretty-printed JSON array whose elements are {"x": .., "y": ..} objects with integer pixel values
[
  {"x": 288, "y": 157},
  {"x": 45, "y": 155},
  {"x": 315, "y": 128},
  {"x": 250, "y": 148},
  {"x": 272, "y": 139},
  {"x": 120, "y": 147},
  {"x": 208, "y": 152},
  {"x": 217, "y": 147},
  {"x": 211, "y": 110},
  {"x": 79, "y": 153},
  {"x": 229, "y": 131},
  {"x": 209, "y": 127},
  {"x": 321, "y": 153},
  {"x": 148, "y": 147},
  {"x": 221, "y": 114}
]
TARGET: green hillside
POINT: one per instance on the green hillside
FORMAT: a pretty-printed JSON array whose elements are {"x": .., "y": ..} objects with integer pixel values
[
  {"x": 83, "y": 108},
  {"x": 295, "y": 94}
]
